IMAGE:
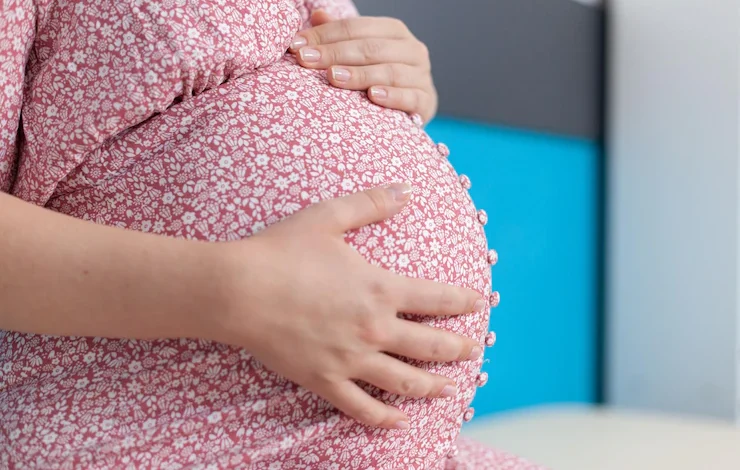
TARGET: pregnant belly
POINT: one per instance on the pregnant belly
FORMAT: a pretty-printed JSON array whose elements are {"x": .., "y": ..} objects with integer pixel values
[{"x": 219, "y": 167}]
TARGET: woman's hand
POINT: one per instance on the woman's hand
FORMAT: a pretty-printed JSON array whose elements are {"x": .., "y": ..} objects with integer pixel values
[
  {"x": 296, "y": 296},
  {"x": 320, "y": 315},
  {"x": 379, "y": 55}
]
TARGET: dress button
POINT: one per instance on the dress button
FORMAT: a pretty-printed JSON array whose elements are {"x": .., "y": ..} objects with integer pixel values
[
  {"x": 469, "y": 413},
  {"x": 482, "y": 379},
  {"x": 495, "y": 299},
  {"x": 490, "y": 339},
  {"x": 417, "y": 120},
  {"x": 465, "y": 182},
  {"x": 452, "y": 453},
  {"x": 492, "y": 257},
  {"x": 482, "y": 217},
  {"x": 443, "y": 150}
]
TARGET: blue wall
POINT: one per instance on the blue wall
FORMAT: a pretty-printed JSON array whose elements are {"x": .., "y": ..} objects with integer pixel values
[{"x": 543, "y": 199}]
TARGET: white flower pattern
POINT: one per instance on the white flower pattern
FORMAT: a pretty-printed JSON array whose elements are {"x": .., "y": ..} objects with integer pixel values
[{"x": 185, "y": 118}]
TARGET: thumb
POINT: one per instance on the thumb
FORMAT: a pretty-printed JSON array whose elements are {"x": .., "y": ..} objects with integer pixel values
[
  {"x": 320, "y": 17},
  {"x": 363, "y": 208}
]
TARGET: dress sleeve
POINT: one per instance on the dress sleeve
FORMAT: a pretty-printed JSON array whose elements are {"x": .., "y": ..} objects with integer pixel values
[{"x": 17, "y": 26}]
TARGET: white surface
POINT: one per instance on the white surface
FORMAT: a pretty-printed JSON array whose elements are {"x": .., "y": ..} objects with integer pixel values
[
  {"x": 672, "y": 166},
  {"x": 581, "y": 439}
]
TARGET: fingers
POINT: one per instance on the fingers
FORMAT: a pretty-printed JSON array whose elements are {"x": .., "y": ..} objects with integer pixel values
[
  {"x": 370, "y": 52},
  {"x": 363, "y": 52},
  {"x": 359, "y": 209},
  {"x": 425, "y": 343},
  {"x": 353, "y": 401},
  {"x": 394, "y": 376},
  {"x": 362, "y": 78},
  {"x": 410, "y": 100},
  {"x": 328, "y": 31},
  {"x": 392, "y": 86},
  {"x": 422, "y": 297}
]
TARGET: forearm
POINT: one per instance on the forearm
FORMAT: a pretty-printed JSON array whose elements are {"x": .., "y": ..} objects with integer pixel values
[{"x": 64, "y": 276}]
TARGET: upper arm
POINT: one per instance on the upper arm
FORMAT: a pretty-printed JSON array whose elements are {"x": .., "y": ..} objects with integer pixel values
[{"x": 17, "y": 24}]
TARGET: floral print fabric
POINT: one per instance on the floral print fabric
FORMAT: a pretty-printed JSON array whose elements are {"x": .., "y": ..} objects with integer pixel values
[{"x": 186, "y": 118}]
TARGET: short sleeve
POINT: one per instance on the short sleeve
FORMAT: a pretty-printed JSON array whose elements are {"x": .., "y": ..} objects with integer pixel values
[{"x": 17, "y": 26}]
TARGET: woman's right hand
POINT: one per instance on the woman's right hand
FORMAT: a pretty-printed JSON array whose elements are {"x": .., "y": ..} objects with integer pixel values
[{"x": 311, "y": 309}]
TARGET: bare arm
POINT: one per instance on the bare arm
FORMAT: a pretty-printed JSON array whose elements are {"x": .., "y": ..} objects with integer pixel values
[
  {"x": 284, "y": 295},
  {"x": 64, "y": 276}
]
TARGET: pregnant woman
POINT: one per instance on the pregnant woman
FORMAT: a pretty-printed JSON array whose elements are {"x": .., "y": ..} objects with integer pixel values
[{"x": 245, "y": 264}]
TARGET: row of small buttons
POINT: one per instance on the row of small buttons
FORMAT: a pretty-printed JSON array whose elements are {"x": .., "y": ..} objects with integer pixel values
[{"x": 494, "y": 299}]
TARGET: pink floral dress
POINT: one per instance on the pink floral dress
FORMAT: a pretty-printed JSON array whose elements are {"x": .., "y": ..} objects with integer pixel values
[{"x": 186, "y": 118}]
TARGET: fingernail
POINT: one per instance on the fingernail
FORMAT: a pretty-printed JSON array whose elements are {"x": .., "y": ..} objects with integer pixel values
[
  {"x": 480, "y": 305},
  {"x": 401, "y": 192},
  {"x": 448, "y": 391},
  {"x": 475, "y": 353},
  {"x": 402, "y": 425},
  {"x": 310, "y": 55},
  {"x": 298, "y": 42},
  {"x": 378, "y": 93},
  {"x": 340, "y": 75}
]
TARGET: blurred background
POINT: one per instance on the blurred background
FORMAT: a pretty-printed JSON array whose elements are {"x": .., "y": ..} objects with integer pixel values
[{"x": 603, "y": 140}]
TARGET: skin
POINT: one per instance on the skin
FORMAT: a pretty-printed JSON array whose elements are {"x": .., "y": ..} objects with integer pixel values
[
  {"x": 64, "y": 276},
  {"x": 377, "y": 55}
]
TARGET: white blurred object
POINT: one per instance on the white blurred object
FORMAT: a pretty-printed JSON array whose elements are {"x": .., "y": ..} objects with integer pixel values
[
  {"x": 578, "y": 438},
  {"x": 673, "y": 254}
]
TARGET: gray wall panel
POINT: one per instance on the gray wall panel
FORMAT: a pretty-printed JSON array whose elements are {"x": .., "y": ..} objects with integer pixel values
[{"x": 523, "y": 63}]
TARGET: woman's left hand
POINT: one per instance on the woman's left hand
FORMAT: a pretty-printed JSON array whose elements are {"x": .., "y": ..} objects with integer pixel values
[{"x": 379, "y": 55}]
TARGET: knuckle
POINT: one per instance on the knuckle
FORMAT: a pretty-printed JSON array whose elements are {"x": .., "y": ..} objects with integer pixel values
[
  {"x": 318, "y": 381},
  {"x": 424, "y": 51},
  {"x": 371, "y": 49},
  {"x": 411, "y": 103},
  {"x": 419, "y": 98},
  {"x": 470, "y": 298},
  {"x": 425, "y": 61},
  {"x": 436, "y": 350},
  {"x": 347, "y": 29},
  {"x": 406, "y": 387},
  {"x": 372, "y": 330},
  {"x": 446, "y": 301},
  {"x": 435, "y": 386},
  {"x": 394, "y": 74},
  {"x": 378, "y": 201},
  {"x": 360, "y": 76},
  {"x": 382, "y": 292},
  {"x": 332, "y": 53},
  {"x": 429, "y": 88},
  {"x": 467, "y": 347},
  {"x": 415, "y": 102},
  {"x": 399, "y": 25},
  {"x": 464, "y": 350},
  {"x": 313, "y": 37},
  {"x": 347, "y": 356},
  {"x": 369, "y": 416}
]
